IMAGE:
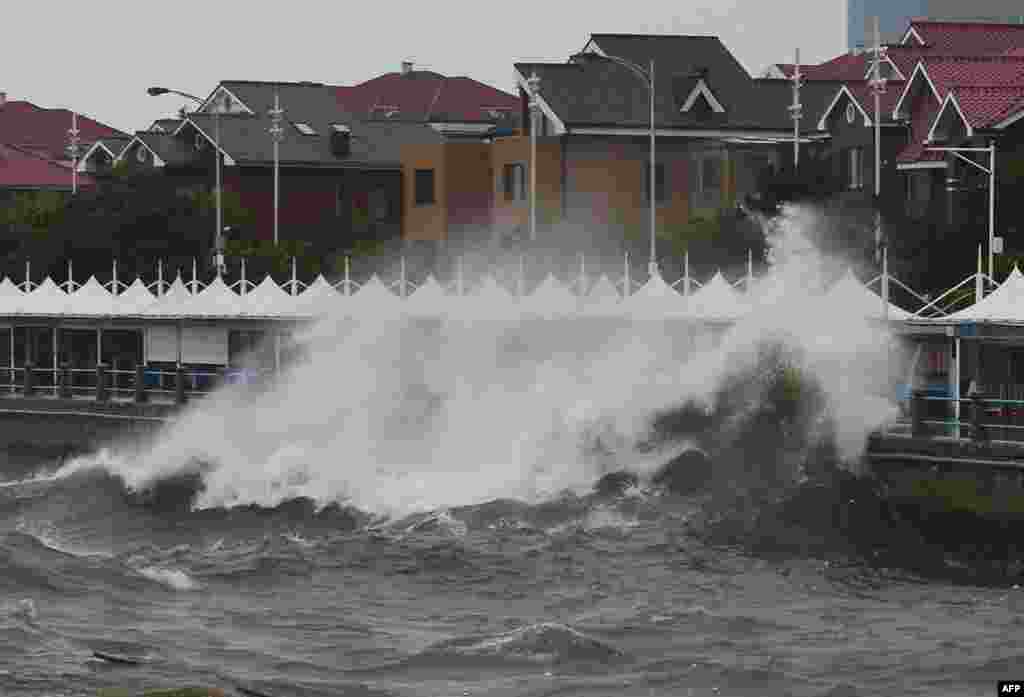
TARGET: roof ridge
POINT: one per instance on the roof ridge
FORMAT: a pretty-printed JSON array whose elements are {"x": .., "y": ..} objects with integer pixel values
[
  {"x": 969, "y": 23},
  {"x": 661, "y": 36}
]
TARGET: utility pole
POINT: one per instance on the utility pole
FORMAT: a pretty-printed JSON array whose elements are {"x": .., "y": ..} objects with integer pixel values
[
  {"x": 878, "y": 89},
  {"x": 533, "y": 82},
  {"x": 796, "y": 110},
  {"x": 276, "y": 132},
  {"x": 73, "y": 149}
]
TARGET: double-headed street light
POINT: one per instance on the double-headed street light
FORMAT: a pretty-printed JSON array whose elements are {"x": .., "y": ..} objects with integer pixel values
[
  {"x": 218, "y": 241},
  {"x": 648, "y": 77}
]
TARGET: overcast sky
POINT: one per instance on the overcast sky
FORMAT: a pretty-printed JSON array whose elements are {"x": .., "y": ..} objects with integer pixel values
[{"x": 98, "y": 57}]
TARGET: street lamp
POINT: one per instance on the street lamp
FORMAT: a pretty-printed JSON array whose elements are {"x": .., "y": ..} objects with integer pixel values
[
  {"x": 73, "y": 150},
  {"x": 648, "y": 77},
  {"x": 796, "y": 110},
  {"x": 532, "y": 84},
  {"x": 276, "y": 133},
  {"x": 991, "y": 172},
  {"x": 878, "y": 89},
  {"x": 218, "y": 242}
]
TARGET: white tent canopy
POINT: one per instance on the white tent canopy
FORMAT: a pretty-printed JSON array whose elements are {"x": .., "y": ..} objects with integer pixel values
[
  {"x": 550, "y": 299},
  {"x": 171, "y": 303},
  {"x": 1004, "y": 304},
  {"x": 851, "y": 297},
  {"x": 429, "y": 300},
  {"x": 135, "y": 298},
  {"x": 655, "y": 300},
  {"x": 11, "y": 297},
  {"x": 318, "y": 299},
  {"x": 91, "y": 300},
  {"x": 215, "y": 300},
  {"x": 718, "y": 300},
  {"x": 268, "y": 300},
  {"x": 45, "y": 299},
  {"x": 373, "y": 299},
  {"x": 489, "y": 301}
]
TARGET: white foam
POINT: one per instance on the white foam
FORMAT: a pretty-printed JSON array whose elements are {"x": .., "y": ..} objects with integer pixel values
[
  {"x": 396, "y": 417},
  {"x": 172, "y": 578}
]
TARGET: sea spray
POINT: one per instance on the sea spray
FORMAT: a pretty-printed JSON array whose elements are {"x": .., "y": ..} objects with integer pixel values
[{"x": 395, "y": 415}]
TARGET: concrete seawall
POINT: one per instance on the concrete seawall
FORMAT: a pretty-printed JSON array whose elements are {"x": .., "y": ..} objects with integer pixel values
[{"x": 38, "y": 432}]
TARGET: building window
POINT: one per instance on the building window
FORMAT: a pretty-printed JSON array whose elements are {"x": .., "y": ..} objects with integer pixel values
[
  {"x": 515, "y": 182},
  {"x": 855, "y": 168},
  {"x": 339, "y": 199},
  {"x": 659, "y": 174},
  {"x": 424, "y": 187}
]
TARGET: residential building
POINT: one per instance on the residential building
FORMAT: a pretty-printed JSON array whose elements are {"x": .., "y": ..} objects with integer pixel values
[
  {"x": 717, "y": 130},
  {"x": 894, "y": 15},
  {"x": 36, "y": 145}
]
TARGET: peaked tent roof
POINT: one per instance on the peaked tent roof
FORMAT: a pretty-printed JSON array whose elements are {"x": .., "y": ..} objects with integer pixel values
[
  {"x": 373, "y": 300},
  {"x": 429, "y": 300},
  {"x": 11, "y": 297},
  {"x": 171, "y": 303},
  {"x": 718, "y": 300},
  {"x": 268, "y": 299},
  {"x": 91, "y": 300},
  {"x": 1004, "y": 304},
  {"x": 319, "y": 298},
  {"x": 851, "y": 297},
  {"x": 549, "y": 299},
  {"x": 655, "y": 300},
  {"x": 135, "y": 298},
  {"x": 215, "y": 300},
  {"x": 489, "y": 300},
  {"x": 45, "y": 299}
]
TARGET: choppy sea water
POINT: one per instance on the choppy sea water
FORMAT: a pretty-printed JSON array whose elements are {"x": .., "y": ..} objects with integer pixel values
[{"x": 575, "y": 596}]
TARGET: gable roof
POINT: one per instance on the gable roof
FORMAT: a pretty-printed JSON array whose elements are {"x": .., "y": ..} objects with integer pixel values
[
  {"x": 982, "y": 107},
  {"x": 846, "y": 66},
  {"x": 24, "y": 169},
  {"x": 425, "y": 96},
  {"x": 966, "y": 37},
  {"x": 165, "y": 125},
  {"x": 111, "y": 146},
  {"x": 245, "y": 137},
  {"x": 30, "y": 127},
  {"x": 595, "y": 92}
]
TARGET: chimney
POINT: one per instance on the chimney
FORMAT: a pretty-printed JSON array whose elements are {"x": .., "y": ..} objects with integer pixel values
[
  {"x": 406, "y": 67},
  {"x": 3, "y": 98}
]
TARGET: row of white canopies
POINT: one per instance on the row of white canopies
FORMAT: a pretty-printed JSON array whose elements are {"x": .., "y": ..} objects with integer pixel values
[{"x": 717, "y": 300}]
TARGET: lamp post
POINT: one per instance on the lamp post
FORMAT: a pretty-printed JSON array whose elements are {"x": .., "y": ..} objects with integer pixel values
[
  {"x": 276, "y": 133},
  {"x": 647, "y": 75},
  {"x": 991, "y": 172},
  {"x": 218, "y": 242},
  {"x": 73, "y": 150},
  {"x": 796, "y": 110},
  {"x": 532, "y": 84},
  {"x": 877, "y": 85}
]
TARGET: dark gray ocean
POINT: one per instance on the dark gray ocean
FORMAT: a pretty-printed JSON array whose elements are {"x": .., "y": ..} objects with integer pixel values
[{"x": 575, "y": 596}]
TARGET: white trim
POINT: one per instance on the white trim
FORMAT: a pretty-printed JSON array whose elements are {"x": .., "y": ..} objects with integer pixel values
[
  {"x": 1010, "y": 120},
  {"x": 202, "y": 107},
  {"x": 701, "y": 89},
  {"x": 559, "y": 127},
  {"x": 887, "y": 59},
  {"x": 684, "y": 133},
  {"x": 921, "y": 165},
  {"x": 475, "y": 128},
  {"x": 592, "y": 47},
  {"x": 935, "y": 122},
  {"x": 911, "y": 32},
  {"x": 910, "y": 83},
  {"x": 88, "y": 153},
  {"x": 835, "y": 100},
  {"x": 157, "y": 162},
  {"x": 228, "y": 160}
]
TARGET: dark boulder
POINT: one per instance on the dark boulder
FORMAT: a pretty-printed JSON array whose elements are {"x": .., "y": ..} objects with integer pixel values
[
  {"x": 615, "y": 483},
  {"x": 686, "y": 473}
]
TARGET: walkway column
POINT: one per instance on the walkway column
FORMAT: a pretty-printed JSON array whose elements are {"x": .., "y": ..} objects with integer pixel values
[
  {"x": 56, "y": 381},
  {"x": 101, "y": 382}
]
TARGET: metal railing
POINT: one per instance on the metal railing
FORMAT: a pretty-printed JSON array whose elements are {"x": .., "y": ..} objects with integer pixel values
[
  {"x": 141, "y": 384},
  {"x": 978, "y": 418}
]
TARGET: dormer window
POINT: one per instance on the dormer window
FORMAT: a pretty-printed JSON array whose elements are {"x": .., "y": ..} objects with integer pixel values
[
  {"x": 199, "y": 142},
  {"x": 305, "y": 129}
]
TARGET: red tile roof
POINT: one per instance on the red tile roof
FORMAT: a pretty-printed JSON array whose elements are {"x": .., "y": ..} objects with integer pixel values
[
  {"x": 46, "y": 130},
  {"x": 23, "y": 169},
  {"x": 861, "y": 91},
  {"x": 423, "y": 95},
  {"x": 977, "y": 71},
  {"x": 847, "y": 66},
  {"x": 984, "y": 107},
  {"x": 969, "y": 37}
]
